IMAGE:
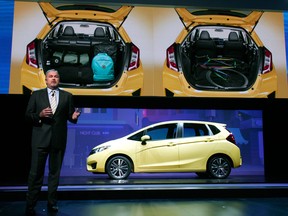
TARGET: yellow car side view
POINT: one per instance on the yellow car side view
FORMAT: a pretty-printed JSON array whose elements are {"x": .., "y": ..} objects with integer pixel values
[
  {"x": 207, "y": 148},
  {"x": 89, "y": 47},
  {"x": 219, "y": 54}
]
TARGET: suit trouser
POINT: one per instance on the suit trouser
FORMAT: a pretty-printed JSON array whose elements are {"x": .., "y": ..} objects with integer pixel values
[{"x": 36, "y": 174}]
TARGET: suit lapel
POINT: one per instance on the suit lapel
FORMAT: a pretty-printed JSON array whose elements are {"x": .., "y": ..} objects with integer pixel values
[
  {"x": 60, "y": 100},
  {"x": 45, "y": 97}
]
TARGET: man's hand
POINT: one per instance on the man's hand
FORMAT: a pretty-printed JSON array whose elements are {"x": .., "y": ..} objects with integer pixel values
[
  {"x": 76, "y": 114},
  {"x": 47, "y": 112}
]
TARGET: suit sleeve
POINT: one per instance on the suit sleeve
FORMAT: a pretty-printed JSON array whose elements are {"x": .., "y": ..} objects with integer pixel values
[
  {"x": 32, "y": 114},
  {"x": 71, "y": 109}
]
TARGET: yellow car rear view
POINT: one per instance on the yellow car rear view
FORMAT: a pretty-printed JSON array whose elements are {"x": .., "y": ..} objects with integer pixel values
[
  {"x": 89, "y": 47},
  {"x": 219, "y": 54}
]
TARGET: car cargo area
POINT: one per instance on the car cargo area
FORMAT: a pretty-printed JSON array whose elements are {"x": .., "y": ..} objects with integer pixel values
[
  {"x": 72, "y": 52},
  {"x": 220, "y": 63}
]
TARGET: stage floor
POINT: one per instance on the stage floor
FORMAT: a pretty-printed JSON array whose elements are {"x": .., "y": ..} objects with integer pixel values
[
  {"x": 161, "y": 207},
  {"x": 168, "y": 185},
  {"x": 181, "y": 194}
]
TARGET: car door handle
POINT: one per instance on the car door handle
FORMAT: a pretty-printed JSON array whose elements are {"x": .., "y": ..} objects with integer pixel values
[
  {"x": 209, "y": 140},
  {"x": 171, "y": 144}
]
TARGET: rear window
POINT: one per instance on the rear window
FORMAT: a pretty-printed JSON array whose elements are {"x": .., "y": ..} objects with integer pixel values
[
  {"x": 203, "y": 12},
  {"x": 85, "y": 6}
]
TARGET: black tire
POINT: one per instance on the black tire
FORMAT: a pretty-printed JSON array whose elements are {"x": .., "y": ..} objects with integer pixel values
[
  {"x": 118, "y": 167},
  {"x": 227, "y": 78},
  {"x": 219, "y": 167}
]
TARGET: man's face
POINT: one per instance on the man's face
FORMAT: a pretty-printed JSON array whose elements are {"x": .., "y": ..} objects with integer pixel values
[{"x": 52, "y": 80}]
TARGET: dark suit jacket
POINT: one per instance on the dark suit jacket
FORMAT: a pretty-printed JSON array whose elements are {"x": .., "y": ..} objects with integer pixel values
[{"x": 50, "y": 131}]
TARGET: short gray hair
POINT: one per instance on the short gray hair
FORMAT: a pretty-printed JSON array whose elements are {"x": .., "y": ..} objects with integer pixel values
[{"x": 51, "y": 70}]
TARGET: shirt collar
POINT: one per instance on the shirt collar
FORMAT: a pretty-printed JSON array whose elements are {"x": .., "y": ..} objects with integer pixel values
[{"x": 50, "y": 90}]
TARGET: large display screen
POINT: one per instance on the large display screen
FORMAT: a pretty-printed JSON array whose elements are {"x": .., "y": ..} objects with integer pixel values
[{"x": 155, "y": 51}]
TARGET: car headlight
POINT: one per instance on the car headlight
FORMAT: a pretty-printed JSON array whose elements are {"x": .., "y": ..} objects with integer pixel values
[{"x": 99, "y": 149}]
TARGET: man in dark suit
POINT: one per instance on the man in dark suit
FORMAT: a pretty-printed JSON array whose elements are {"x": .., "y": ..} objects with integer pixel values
[{"x": 49, "y": 136}]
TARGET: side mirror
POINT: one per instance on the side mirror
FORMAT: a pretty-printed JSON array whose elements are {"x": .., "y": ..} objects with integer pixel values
[{"x": 144, "y": 139}]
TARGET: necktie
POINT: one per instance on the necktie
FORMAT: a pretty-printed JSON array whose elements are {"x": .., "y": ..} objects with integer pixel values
[{"x": 53, "y": 101}]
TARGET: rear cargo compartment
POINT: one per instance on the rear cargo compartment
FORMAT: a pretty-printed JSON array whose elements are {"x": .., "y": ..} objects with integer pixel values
[{"x": 71, "y": 54}]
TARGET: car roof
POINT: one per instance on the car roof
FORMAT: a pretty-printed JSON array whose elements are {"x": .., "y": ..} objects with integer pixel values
[{"x": 185, "y": 121}]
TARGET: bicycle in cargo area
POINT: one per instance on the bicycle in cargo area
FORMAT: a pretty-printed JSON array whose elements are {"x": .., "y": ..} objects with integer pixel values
[{"x": 224, "y": 72}]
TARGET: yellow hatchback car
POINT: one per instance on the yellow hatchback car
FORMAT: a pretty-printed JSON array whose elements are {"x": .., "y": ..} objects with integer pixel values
[
  {"x": 206, "y": 148},
  {"x": 89, "y": 47},
  {"x": 219, "y": 54}
]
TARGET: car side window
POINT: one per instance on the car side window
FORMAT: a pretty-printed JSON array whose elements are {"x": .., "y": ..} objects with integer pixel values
[
  {"x": 189, "y": 132},
  {"x": 137, "y": 137},
  {"x": 214, "y": 129},
  {"x": 162, "y": 132},
  {"x": 193, "y": 129}
]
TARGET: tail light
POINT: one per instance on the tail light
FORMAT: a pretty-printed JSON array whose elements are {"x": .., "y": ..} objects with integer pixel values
[
  {"x": 31, "y": 58},
  {"x": 135, "y": 58},
  {"x": 231, "y": 138},
  {"x": 171, "y": 59},
  {"x": 267, "y": 67}
]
